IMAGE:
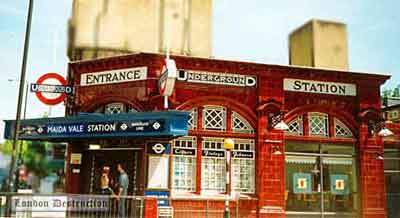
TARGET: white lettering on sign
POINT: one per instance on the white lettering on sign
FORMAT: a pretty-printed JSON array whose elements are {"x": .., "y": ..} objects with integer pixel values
[
  {"x": 56, "y": 129},
  {"x": 217, "y": 78},
  {"x": 114, "y": 76},
  {"x": 101, "y": 127},
  {"x": 320, "y": 87}
]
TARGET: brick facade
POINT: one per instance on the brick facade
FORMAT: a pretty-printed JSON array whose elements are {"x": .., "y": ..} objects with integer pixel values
[{"x": 254, "y": 104}]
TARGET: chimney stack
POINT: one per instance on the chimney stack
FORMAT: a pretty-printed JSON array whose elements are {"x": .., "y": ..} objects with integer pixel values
[{"x": 321, "y": 44}]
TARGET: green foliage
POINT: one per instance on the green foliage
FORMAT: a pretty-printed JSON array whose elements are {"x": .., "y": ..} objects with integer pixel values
[
  {"x": 393, "y": 92},
  {"x": 6, "y": 147},
  {"x": 33, "y": 155},
  {"x": 396, "y": 92},
  {"x": 35, "y": 160},
  {"x": 386, "y": 93}
]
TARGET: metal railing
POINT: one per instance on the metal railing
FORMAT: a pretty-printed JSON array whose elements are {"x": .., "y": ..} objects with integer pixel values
[
  {"x": 209, "y": 208},
  {"x": 70, "y": 206},
  {"x": 105, "y": 206}
]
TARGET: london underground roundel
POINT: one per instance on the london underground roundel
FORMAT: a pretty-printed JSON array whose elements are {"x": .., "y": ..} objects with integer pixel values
[
  {"x": 167, "y": 80},
  {"x": 52, "y": 80}
]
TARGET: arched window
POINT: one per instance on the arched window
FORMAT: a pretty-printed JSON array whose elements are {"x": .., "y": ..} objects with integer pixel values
[
  {"x": 239, "y": 124},
  {"x": 296, "y": 126},
  {"x": 341, "y": 130},
  {"x": 193, "y": 118},
  {"x": 318, "y": 124},
  {"x": 214, "y": 118},
  {"x": 115, "y": 108}
]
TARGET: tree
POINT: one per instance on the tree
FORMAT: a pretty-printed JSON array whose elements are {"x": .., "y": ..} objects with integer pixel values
[
  {"x": 392, "y": 92},
  {"x": 33, "y": 155},
  {"x": 396, "y": 92}
]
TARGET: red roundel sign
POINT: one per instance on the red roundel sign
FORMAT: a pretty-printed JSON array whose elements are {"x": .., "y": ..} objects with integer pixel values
[
  {"x": 166, "y": 82},
  {"x": 51, "y": 79}
]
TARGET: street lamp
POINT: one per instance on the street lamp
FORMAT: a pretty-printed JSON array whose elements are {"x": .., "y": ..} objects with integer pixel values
[
  {"x": 275, "y": 120},
  {"x": 378, "y": 127},
  {"x": 228, "y": 145},
  {"x": 20, "y": 93}
]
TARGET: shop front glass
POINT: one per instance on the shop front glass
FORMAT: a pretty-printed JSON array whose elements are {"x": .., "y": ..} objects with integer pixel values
[
  {"x": 392, "y": 179},
  {"x": 321, "y": 173}
]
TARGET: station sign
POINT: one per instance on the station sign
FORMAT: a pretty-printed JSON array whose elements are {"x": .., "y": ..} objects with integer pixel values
[
  {"x": 114, "y": 76},
  {"x": 217, "y": 78},
  {"x": 320, "y": 87},
  {"x": 51, "y": 88},
  {"x": 91, "y": 128},
  {"x": 69, "y": 90}
]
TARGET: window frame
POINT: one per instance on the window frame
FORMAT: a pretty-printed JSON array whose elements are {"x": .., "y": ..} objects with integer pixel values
[
  {"x": 193, "y": 162},
  {"x": 310, "y": 115},
  {"x": 249, "y": 164},
  {"x": 206, "y": 114},
  {"x": 218, "y": 177},
  {"x": 247, "y": 127}
]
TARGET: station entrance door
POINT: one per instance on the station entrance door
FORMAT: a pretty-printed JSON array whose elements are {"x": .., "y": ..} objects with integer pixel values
[{"x": 97, "y": 159}]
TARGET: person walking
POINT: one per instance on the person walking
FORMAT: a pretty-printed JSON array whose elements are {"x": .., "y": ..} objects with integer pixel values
[{"x": 123, "y": 181}]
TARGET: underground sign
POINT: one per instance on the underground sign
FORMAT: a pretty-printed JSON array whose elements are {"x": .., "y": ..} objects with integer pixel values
[
  {"x": 167, "y": 80},
  {"x": 51, "y": 88}
]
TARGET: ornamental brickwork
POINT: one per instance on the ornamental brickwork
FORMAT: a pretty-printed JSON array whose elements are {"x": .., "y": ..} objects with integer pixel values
[{"x": 254, "y": 104}]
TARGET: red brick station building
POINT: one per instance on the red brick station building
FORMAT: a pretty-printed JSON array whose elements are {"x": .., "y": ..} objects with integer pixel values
[{"x": 328, "y": 163}]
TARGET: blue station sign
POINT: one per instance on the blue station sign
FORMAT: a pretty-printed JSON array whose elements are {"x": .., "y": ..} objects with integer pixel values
[{"x": 151, "y": 124}]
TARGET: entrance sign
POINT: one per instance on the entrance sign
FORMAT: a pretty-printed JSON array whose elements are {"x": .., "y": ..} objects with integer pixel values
[
  {"x": 320, "y": 87},
  {"x": 58, "y": 87},
  {"x": 167, "y": 80},
  {"x": 114, "y": 76},
  {"x": 227, "y": 79},
  {"x": 302, "y": 183}
]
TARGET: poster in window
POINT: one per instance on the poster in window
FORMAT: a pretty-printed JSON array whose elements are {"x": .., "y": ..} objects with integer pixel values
[
  {"x": 302, "y": 183},
  {"x": 158, "y": 168},
  {"x": 339, "y": 184}
]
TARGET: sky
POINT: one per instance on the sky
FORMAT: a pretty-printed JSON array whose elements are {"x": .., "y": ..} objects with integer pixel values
[{"x": 252, "y": 30}]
